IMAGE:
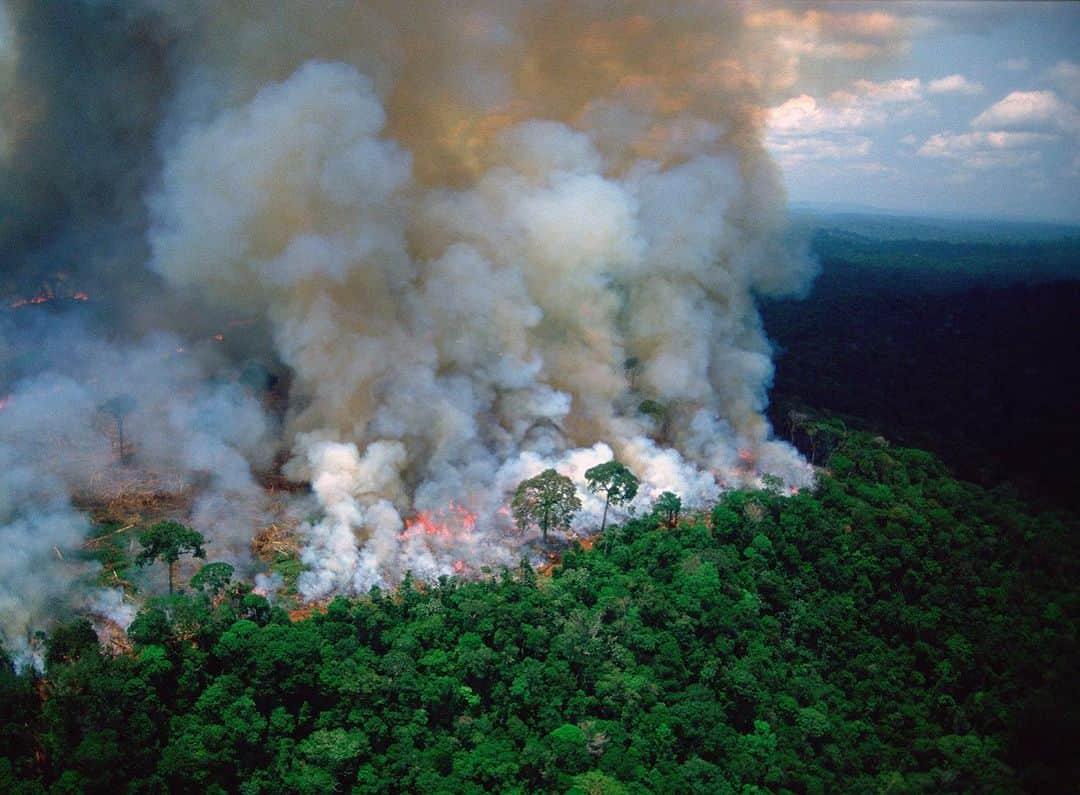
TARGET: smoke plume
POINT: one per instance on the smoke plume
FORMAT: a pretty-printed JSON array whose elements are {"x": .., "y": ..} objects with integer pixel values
[
  {"x": 59, "y": 449},
  {"x": 484, "y": 238}
]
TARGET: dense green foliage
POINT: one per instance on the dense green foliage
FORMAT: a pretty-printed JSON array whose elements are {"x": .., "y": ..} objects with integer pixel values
[
  {"x": 617, "y": 483},
  {"x": 668, "y": 506},
  {"x": 548, "y": 500},
  {"x": 167, "y": 541},
  {"x": 940, "y": 262},
  {"x": 895, "y": 631},
  {"x": 978, "y": 374}
]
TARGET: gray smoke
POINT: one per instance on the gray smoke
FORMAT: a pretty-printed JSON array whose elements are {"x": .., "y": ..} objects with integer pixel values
[
  {"x": 59, "y": 448},
  {"x": 480, "y": 237}
]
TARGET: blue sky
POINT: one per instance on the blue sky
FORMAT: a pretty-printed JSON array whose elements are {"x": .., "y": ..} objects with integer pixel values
[{"x": 929, "y": 108}]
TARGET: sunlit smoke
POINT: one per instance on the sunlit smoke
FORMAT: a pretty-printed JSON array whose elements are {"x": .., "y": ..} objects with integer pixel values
[
  {"x": 483, "y": 243},
  {"x": 464, "y": 281}
]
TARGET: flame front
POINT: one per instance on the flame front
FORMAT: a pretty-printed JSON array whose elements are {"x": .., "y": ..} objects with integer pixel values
[
  {"x": 453, "y": 523},
  {"x": 40, "y": 298},
  {"x": 46, "y": 294}
]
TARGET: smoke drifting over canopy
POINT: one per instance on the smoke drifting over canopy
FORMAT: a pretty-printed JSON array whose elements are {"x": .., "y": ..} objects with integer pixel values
[{"x": 480, "y": 236}]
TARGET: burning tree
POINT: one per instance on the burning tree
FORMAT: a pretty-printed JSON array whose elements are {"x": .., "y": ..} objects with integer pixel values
[
  {"x": 118, "y": 407},
  {"x": 612, "y": 479},
  {"x": 168, "y": 541},
  {"x": 548, "y": 500}
]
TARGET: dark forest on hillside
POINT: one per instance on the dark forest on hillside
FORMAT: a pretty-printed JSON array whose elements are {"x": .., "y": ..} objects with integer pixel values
[
  {"x": 896, "y": 629},
  {"x": 968, "y": 350}
]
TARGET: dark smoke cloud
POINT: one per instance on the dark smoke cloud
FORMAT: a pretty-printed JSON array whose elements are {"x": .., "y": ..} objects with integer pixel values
[{"x": 84, "y": 87}]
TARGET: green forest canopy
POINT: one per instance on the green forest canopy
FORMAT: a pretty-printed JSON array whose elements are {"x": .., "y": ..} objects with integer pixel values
[{"x": 894, "y": 630}]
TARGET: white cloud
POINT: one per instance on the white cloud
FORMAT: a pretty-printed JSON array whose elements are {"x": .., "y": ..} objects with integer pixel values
[
  {"x": 1065, "y": 70},
  {"x": 984, "y": 161},
  {"x": 954, "y": 84},
  {"x": 818, "y": 33},
  {"x": 794, "y": 151},
  {"x": 1029, "y": 109},
  {"x": 899, "y": 90},
  {"x": 981, "y": 151},
  {"x": 804, "y": 129},
  {"x": 949, "y": 144},
  {"x": 1015, "y": 64},
  {"x": 909, "y": 140},
  {"x": 862, "y": 104},
  {"x": 1066, "y": 76},
  {"x": 803, "y": 115}
]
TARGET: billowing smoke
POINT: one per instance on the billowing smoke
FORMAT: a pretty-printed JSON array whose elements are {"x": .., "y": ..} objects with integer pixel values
[
  {"x": 485, "y": 239},
  {"x": 184, "y": 433}
]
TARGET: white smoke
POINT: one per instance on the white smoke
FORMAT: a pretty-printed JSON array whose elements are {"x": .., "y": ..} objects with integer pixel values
[
  {"x": 59, "y": 446},
  {"x": 480, "y": 238},
  {"x": 458, "y": 285}
]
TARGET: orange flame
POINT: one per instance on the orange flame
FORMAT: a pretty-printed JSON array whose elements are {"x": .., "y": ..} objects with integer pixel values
[
  {"x": 41, "y": 298},
  {"x": 45, "y": 295},
  {"x": 453, "y": 522}
]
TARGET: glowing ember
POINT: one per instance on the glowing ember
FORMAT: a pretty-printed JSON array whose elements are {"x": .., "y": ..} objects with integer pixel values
[
  {"x": 459, "y": 566},
  {"x": 48, "y": 294},
  {"x": 37, "y": 299},
  {"x": 219, "y": 337},
  {"x": 746, "y": 456}
]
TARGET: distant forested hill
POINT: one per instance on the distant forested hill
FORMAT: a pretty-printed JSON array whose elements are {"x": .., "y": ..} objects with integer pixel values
[
  {"x": 962, "y": 348},
  {"x": 893, "y": 630},
  {"x": 933, "y": 266}
]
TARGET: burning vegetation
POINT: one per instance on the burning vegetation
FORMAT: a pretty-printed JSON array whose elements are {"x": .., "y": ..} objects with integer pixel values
[
  {"x": 55, "y": 290},
  {"x": 349, "y": 297}
]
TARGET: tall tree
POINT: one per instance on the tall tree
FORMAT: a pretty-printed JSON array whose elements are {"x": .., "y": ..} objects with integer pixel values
[
  {"x": 167, "y": 541},
  {"x": 118, "y": 407},
  {"x": 213, "y": 578},
  {"x": 612, "y": 479},
  {"x": 548, "y": 500},
  {"x": 669, "y": 505}
]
